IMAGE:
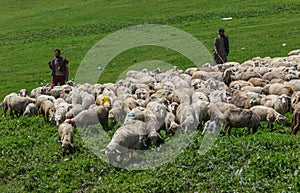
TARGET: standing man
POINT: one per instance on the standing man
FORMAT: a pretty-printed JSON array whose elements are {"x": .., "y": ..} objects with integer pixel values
[
  {"x": 59, "y": 67},
  {"x": 221, "y": 47}
]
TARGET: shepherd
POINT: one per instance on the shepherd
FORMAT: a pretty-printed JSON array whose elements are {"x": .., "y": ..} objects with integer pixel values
[
  {"x": 59, "y": 67},
  {"x": 221, "y": 47}
]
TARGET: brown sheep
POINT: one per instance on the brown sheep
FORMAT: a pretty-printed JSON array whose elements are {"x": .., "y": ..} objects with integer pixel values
[
  {"x": 239, "y": 118},
  {"x": 296, "y": 119},
  {"x": 66, "y": 134},
  {"x": 258, "y": 82},
  {"x": 47, "y": 109}
]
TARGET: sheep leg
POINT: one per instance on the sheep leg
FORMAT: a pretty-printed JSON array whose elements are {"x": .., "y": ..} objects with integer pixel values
[
  {"x": 296, "y": 127},
  {"x": 229, "y": 130},
  {"x": 11, "y": 115}
]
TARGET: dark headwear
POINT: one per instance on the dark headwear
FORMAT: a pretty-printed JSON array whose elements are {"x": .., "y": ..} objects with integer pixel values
[
  {"x": 57, "y": 50},
  {"x": 221, "y": 30}
]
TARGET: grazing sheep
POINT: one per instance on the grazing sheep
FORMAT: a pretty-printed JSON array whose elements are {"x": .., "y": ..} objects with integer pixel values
[
  {"x": 5, "y": 103},
  {"x": 294, "y": 52},
  {"x": 258, "y": 82},
  {"x": 255, "y": 89},
  {"x": 74, "y": 111},
  {"x": 117, "y": 114},
  {"x": 17, "y": 105},
  {"x": 244, "y": 99},
  {"x": 170, "y": 123},
  {"x": 104, "y": 101},
  {"x": 239, "y": 118},
  {"x": 57, "y": 102},
  {"x": 87, "y": 100},
  {"x": 125, "y": 140},
  {"x": 281, "y": 103},
  {"x": 36, "y": 92},
  {"x": 296, "y": 119},
  {"x": 30, "y": 110},
  {"x": 295, "y": 99},
  {"x": 41, "y": 98},
  {"x": 66, "y": 134},
  {"x": 238, "y": 84},
  {"x": 270, "y": 115},
  {"x": 85, "y": 118},
  {"x": 186, "y": 117},
  {"x": 47, "y": 109},
  {"x": 61, "y": 111},
  {"x": 277, "y": 89}
]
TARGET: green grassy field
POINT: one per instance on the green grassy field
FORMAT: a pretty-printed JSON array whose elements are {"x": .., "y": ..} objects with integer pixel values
[{"x": 30, "y": 155}]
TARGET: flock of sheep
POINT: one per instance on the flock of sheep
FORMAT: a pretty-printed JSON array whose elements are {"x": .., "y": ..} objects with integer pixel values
[{"x": 238, "y": 95}]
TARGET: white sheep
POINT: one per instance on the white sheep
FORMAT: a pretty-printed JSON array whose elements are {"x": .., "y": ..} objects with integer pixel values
[
  {"x": 61, "y": 111},
  {"x": 4, "y": 104},
  {"x": 85, "y": 118},
  {"x": 66, "y": 135},
  {"x": 281, "y": 103},
  {"x": 124, "y": 141},
  {"x": 47, "y": 109},
  {"x": 17, "y": 105},
  {"x": 31, "y": 110},
  {"x": 268, "y": 114}
]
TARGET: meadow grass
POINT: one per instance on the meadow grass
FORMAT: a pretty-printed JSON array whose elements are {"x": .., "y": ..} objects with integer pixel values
[{"x": 30, "y": 155}]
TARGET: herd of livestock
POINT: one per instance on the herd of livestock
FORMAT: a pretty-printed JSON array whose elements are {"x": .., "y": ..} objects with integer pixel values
[{"x": 144, "y": 102}]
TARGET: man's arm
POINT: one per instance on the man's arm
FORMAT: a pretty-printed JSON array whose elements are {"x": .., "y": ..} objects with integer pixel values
[
  {"x": 216, "y": 44},
  {"x": 226, "y": 45},
  {"x": 50, "y": 64}
]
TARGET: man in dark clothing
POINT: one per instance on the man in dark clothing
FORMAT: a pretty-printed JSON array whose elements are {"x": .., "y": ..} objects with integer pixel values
[
  {"x": 221, "y": 47},
  {"x": 59, "y": 67}
]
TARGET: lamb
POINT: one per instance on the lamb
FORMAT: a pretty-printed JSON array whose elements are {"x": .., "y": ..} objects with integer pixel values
[
  {"x": 281, "y": 103},
  {"x": 66, "y": 134},
  {"x": 91, "y": 117},
  {"x": 17, "y": 105},
  {"x": 270, "y": 115},
  {"x": 30, "y": 110},
  {"x": 47, "y": 109},
  {"x": 239, "y": 118}
]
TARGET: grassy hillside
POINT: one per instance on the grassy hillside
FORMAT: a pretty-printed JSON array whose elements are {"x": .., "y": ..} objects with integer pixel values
[{"x": 30, "y": 155}]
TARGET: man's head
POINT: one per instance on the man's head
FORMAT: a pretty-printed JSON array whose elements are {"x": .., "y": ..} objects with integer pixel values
[
  {"x": 221, "y": 31},
  {"x": 57, "y": 53}
]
